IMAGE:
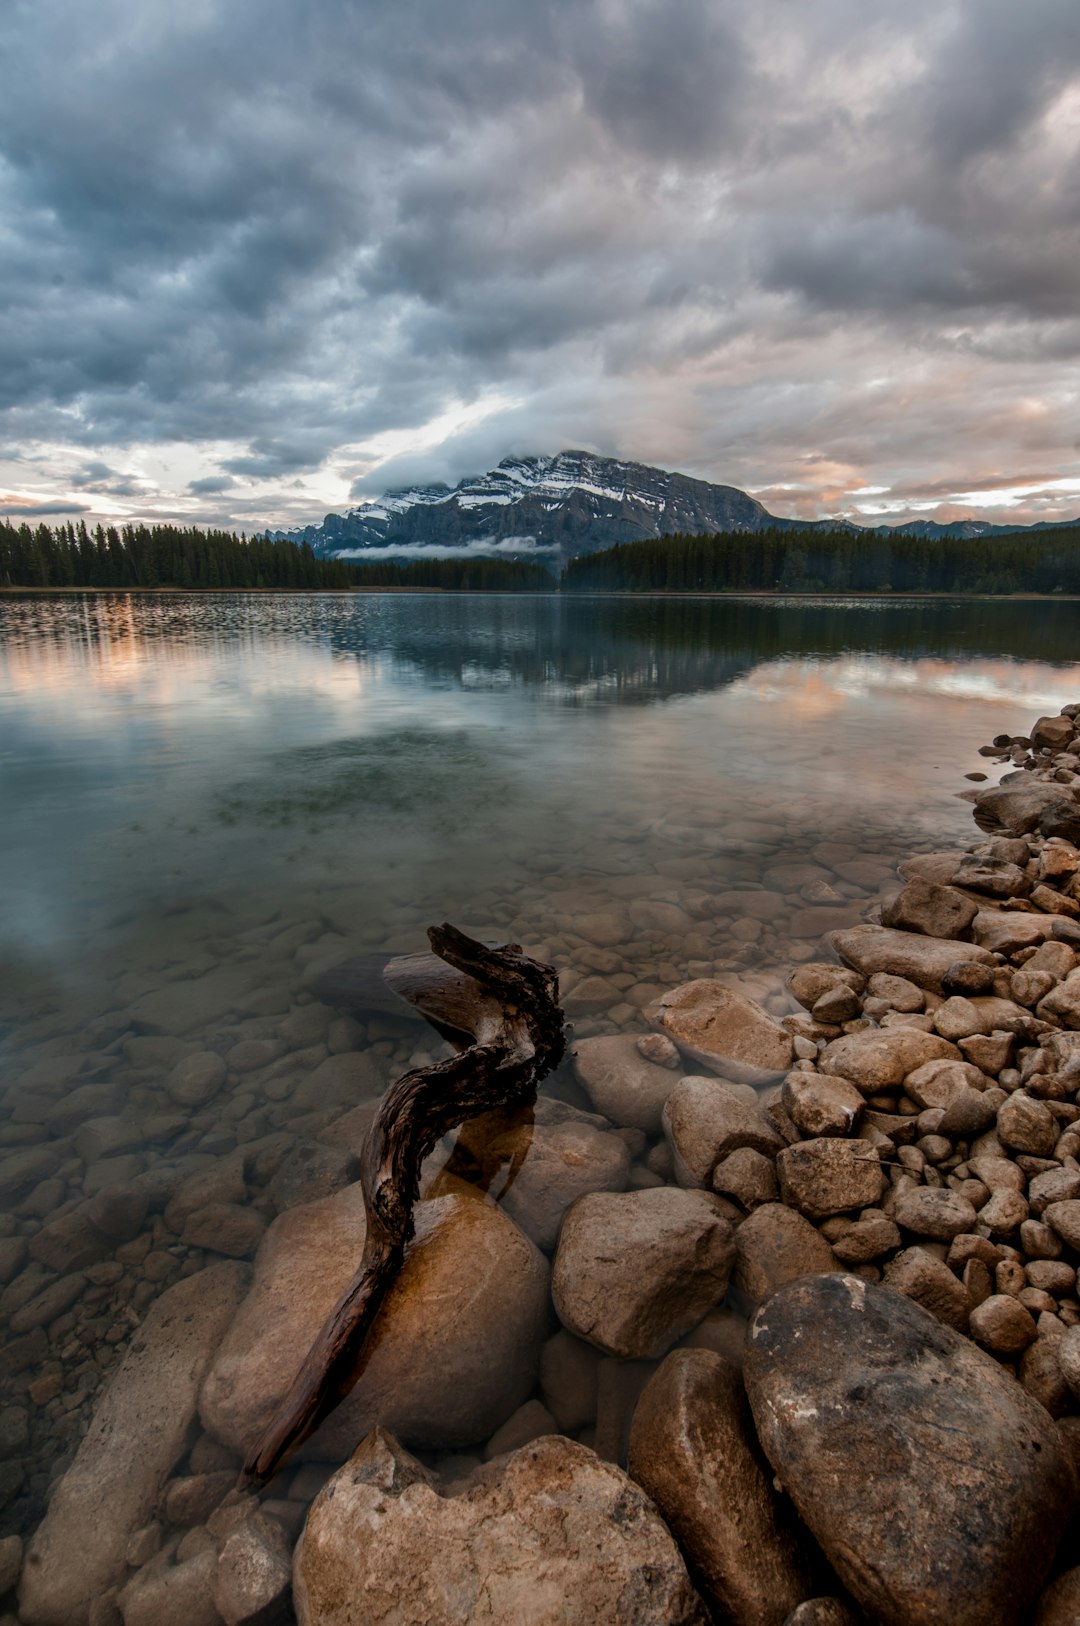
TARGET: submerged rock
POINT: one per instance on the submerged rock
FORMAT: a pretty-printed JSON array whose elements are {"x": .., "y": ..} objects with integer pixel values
[
  {"x": 622, "y": 1083},
  {"x": 725, "y": 1031},
  {"x": 559, "y": 1538},
  {"x": 452, "y": 1354},
  {"x": 139, "y": 1430},
  {"x": 937, "y": 1488},
  {"x": 694, "y": 1450}
]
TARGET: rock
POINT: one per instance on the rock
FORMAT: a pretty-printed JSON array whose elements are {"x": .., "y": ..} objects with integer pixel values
[
  {"x": 452, "y": 1354},
  {"x": 1063, "y": 1219},
  {"x": 118, "y": 1212},
  {"x": 820, "y": 1104},
  {"x": 879, "y": 1059},
  {"x": 558, "y": 1536},
  {"x": 568, "y": 1378},
  {"x": 838, "y": 1005},
  {"x": 821, "y": 1612},
  {"x": 1016, "y": 809},
  {"x": 827, "y": 1176},
  {"x": 196, "y": 1079},
  {"x": 723, "y": 1030},
  {"x": 1000, "y": 1323},
  {"x": 775, "y": 1245},
  {"x": 225, "y": 1228},
  {"x": 971, "y": 1485},
  {"x": 11, "y": 1556},
  {"x": 693, "y": 1450},
  {"x": 1063, "y": 1002},
  {"x": 591, "y": 995},
  {"x": 635, "y": 1271},
  {"x": 192, "y": 1498},
  {"x": 748, "y": 1177},
  {"x": 530, "y": 1422},
  {"x": 1068, "y": 1354},
  {"x": 929, "y": 1282},
  {"x": 1056, "y": 732},
  {"x": 167, "y": 1594},
  {"x": 1007, "y": 933},
  {"x": 967, "y": 1115},
  {"x": 310, "y": 1171},
  {"x": 658, "y": 1048},
  {"x": 706, "y": 1119},
  {"x": 810, "y": 982},
  {"x": 1026, "y": 1125},
  {"x": 935, "y": 1212},
  {"x": 139, "y": 1430},
  {"x": 932, "y": 910},
  {"x": 340, "y": 1081},
  {"x": 1059, "y": 1605},
  {"x": 559, "y": 1163},
  {"x": 621, "y": 1082},
  {"x": 70, "y": 1242},
  {"x": 996, "y": 876},
  {"x": 924, "y": 961},
  {"x": 870, "y": 1237},
  {"x": 252, "y": 1583}
]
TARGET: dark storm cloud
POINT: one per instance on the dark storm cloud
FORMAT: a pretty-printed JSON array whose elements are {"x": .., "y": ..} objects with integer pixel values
[{"x": 699, "y": 232}]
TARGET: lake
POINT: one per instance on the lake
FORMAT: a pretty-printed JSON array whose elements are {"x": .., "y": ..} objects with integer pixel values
[{"x": 207, "y": 802}]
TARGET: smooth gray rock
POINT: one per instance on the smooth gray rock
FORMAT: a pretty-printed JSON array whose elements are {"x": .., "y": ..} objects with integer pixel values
[{"x": 936, "y": 1487}]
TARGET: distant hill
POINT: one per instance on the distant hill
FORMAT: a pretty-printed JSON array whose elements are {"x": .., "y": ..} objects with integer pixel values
[{"x": 566, "y": 507}]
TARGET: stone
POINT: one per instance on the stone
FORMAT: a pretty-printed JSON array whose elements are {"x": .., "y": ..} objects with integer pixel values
[
  {"x": 897, "y": 992},
  {"x": 191, "y": 1498},
  {"x": 706, "y": 1119},
  {"x": 167, "y": 1594},
  {"x": 828, "y": 1176},
  {"x": 1063, "y": 1219},
  {"x": 70, "y": 1242},
  {"x": 725, "y": 1031},
  {"x": 530, "y": 1422},
  {"x": 139, "y": 1430},
  {"x": 748, "y": 1177},
  {"x": 590, "y": 996},
  {"x": 937, "y": 867},
  {"x": 693, "y": 1450},
  {"x": 996, "y": 876},
  {"x": 1068, "y": 1353},
  {"x": 118, "y": 1211},
  {"x": 626, "y": 1086},
  {"x": 1007, "y": 933},
  {"x": 568, "y": 1378},
  {"x": 841, "y": 1372},
  {"x": 929, "y": 1282},
  {"x": 1001, "y": 1324},
  {"x": 1005, "y": 1212},
  {"x": 811, "y": 981},
  {"x": 968, "y": 977},
  {"x": 932, "y": 910},
  {"x": 1056, "y": 732},
  {"x": 821, "y": 1104},
  {"x": 821, "y": 1612},
  {"x": 11, "y": 1557},
  {"x": 340, "y": 1082},
  {"x": 967, "y": 1114},
  {"x": 224, "y": 1228},
  {"x": 558, "y": 1535},
  {"x": 634, "y": 1271},
  {"x": 989, "y": 1053},
  {"x": 1059, "y": 1605},
  {"x": 252, "y": 1583},
  {"x": 1063, "y": 1002},
  {"x": 452, "y": 1353},
  {"x": 310, "y": 1171},
  {"x": 924, "y": 961},
  {"x": 879, "y": 1059},
  {"x": 550, "y": 1166},
  {"x": 196, "y": 1079},
  {"x": 871, "y": 1236},
  {"x": 1026, "y": 1125},
  {"x": 838, "y": 1005},
  {"x": 775, "y": 1245},
  {"x": 1053, "y": 1186},
  {"x": 937, "y": 1213},
  {"x": 1015, "y": 810}
]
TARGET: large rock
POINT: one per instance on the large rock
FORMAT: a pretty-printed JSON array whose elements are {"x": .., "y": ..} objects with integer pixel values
[
  {"x": 725, "y": 1031},
  {"x": 694, "y": 1450},
  {"x": 1014, "y": 810},
  {"x": 880, "y": 1058},
  {"x": 829, "y": 1176},
  {"x": 922, "y": 960},
  {"x": 636, "y": 1270},
  {"x": 706, "y": 1119},
  {"x": 622, "y": 1083},
  {"x": 550, "y": 1165},
  {"x": 452, "y": 1354},
  {"x": 937, "y": 1488},
  {"x": 775, "y": 1245},
  {"x": 559, "y": 1538},
  {"x": 934, "y": 911},
  {"x": 139, "y": 1431}
]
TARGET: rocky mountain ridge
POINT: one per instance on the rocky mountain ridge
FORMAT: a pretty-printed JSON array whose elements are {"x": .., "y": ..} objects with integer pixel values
[{"x": 564, "y": 506}]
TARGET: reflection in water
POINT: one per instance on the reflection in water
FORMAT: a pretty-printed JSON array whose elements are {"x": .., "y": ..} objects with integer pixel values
[{"x": 206, "y": 802}]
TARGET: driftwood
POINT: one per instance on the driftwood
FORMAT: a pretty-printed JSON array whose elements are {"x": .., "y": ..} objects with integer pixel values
[{"x": 506, "y": 1006}]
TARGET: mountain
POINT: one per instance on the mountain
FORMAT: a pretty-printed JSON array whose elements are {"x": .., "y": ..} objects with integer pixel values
[{"x": 564, "y": 507}]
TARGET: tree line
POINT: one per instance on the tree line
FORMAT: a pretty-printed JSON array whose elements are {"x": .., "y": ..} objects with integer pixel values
[
  {"x": 773, "y": 560},
  {"x": 839, "y": 561}
]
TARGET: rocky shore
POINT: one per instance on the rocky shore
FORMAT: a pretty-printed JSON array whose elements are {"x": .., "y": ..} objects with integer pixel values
[{"x": 766, "y": 1319}]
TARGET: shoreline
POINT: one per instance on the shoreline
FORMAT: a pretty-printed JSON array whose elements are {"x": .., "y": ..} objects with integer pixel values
[{"x": 471, "y": 592}]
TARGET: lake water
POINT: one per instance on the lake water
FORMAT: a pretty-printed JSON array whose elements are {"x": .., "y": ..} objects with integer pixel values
[{"x": 206, "y": 801}]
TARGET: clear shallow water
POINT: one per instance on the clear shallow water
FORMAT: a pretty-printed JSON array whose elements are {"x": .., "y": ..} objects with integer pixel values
[{"x": 217, "y": 796}]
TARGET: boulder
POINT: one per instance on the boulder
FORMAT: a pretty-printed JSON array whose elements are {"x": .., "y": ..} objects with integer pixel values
[
  {"x": 452, "y": 1354},
  {"x": 924, "y": 961},
  {"x": 934, "y": 911},
  {"x": 725, "y": 1031},
  {"x": 1015, "y": 810},
  {"x": 557, "y": 1536},
  {"x": 828, "y": 1176},
  {"x": 694, "y": 1451},
  {"x": 556, "y": 1163},
  {"x": 706, "y": 1119},
  {"x": 880, "y": 1058},
  {"x": 634, "y": 1271},
  {"x": 775, "y": 1245},
  {"x": 971, "y": 1486},
  {"x": 820, "y": 1104},
  {"x": 621, "y": 1083},
  {"x": 139, "y": 1430}
]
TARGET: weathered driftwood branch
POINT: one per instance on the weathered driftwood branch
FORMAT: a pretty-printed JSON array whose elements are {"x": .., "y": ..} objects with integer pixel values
[{"x": 507, "y": 1006}]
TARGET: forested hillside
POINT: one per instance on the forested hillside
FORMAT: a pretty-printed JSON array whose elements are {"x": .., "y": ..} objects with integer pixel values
[{"x": 835, "y": 562}]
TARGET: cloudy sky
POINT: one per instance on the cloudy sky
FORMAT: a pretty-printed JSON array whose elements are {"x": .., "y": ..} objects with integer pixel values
[{"x": 264, "y": 258}]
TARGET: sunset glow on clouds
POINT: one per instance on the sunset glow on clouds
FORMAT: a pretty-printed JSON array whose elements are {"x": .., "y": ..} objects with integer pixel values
[{"x": 261, "y": 259}]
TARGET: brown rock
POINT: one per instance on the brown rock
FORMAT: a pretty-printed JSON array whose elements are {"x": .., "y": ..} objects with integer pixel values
[
  {"x": 935, "y": 1212},
  {"x": 1059, "y": 1605},
  {"x": 828, "y": 1176},
  {"x": 1026, "y": 1125},
  {"x": 929, "y": 1282},
  {"x": 879, "y": 1059},
  {"x": 1001, "y": 1324},
  {"x": 932, "y": 910},
  {"x": 558, "y": 1536},
  {"x": 634, "y": 1271},
  {"x": 694, "y": 1451},
  {"x": 775, "y": 1245},
  {"x": 725, "y": 1031},
  {"x": 626, "y": 1086},
  {"x": 809, "y": 982},
  {"x": 922, "y": 960},
  {"x": 1017, "y": 809},
  {"x": 871, "y": 1236},
  {"x": 840, "y": 1373},
  {"x": 748, "y": 1177},
  {"x": 706, "y": 1119},
  {"x": 821, "y": 1104}
]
